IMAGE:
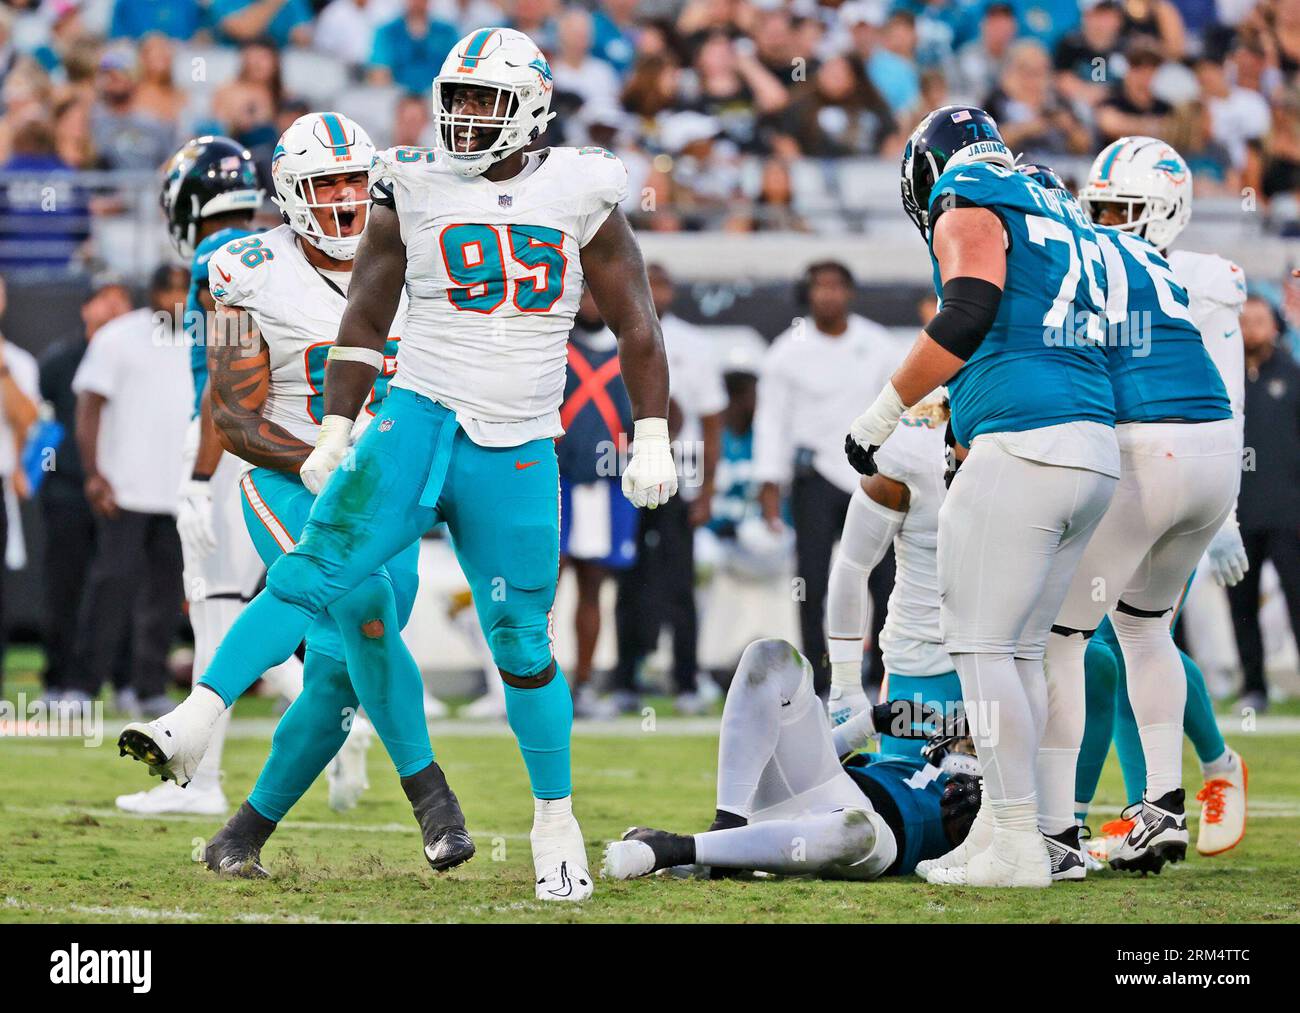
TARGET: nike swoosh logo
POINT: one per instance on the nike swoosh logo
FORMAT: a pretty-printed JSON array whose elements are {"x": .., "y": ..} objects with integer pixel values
[
  {"x": 224, "y": 277},
  {"x": 967, "y": 179},
  {"x": 566, "y": 884},
  {"x": 521, "y": 465}
]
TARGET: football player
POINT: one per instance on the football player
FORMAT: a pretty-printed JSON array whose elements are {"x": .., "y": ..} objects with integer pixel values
[
  {"x": 1036, "y": 410},
  {"x": 1180, "y": 449},
  {"x": 492, "y": 244},
  {"x": 788, "y": 804},
  {"x": 210, "y": 194},
  {"x": 1141, "y": 185}
]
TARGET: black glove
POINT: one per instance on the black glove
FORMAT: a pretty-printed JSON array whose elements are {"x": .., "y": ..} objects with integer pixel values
[
  {"x": 863, "y": 460},
  {"x": 904, "y": 719},
  {"x": 950, "y": 462}
]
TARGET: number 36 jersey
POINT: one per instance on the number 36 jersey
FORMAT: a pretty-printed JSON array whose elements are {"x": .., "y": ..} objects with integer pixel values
[
  {"x": 494, "y": 276},
  {"x": 297, "y": 310}
]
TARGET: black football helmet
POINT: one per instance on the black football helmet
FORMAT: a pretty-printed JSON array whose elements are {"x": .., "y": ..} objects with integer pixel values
[
  {"x": 208, "y": 176},
  {"x": 1043, "y": 175},
  {"x": 951, "y": 135}
]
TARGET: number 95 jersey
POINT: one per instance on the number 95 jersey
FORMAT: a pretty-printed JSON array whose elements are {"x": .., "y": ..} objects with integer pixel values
[{"x": 494, "y": 276}]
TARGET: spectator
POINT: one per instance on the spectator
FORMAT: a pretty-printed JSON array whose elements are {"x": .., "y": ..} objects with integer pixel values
[
  {"x": 577, "y": 73},
  {"x": 775, "y": 44},
  {"x": 979, "y": 62},
  {"x": 412, "y": 123},
  {"x": 72, "y": 138},
  {"x": 535, "y": 18},
  {"x": 247, "y": 106},
  {"x": 409, "y": 50},
  {"x": 68, "y": 524},
  {"x": 176, "y": 19},
  {"x": 8, "y": 51},
  {"x": 67, "y": 31},
  {"x": 705, "y": 167},
  {"x": 124, "y": 137},
  {"x": 1281, "y": 148},
  {"x": 1159, "y": 21},
  {"x": 156, "y": 95},
  {"x": 134, "y": 399},
  {"x": 1191, "y": 134},
  {"x": 598, "y": 526},
  {"x": 280, "y": 21},
  {"x": 1047, "y": 21},
  {"x": 731, "y": 86},
  {"x": 1132, "y": 107},
  {"x": 651, "y": 87},
  {"x": 815, "y": 379},
  {"x": 839, "y": 113},
  {"x": 346, "y": 28},
  {"x": 1238, "y": 116},
  {"x": 1268, "y": 508},
  {"x": 41, "y": 226},
  {"x": 614, "y": 33},
  {"x": 774, "y": 208},
  {"x": 19, "y": 391},
  {"x": 1033, "y": 118},
  {"x": 660, "y": 589},
  {"x": 1090, "y": 58},
  {"x": 892, "y": 64}
]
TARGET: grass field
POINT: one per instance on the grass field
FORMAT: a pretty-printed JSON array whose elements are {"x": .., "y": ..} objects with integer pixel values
[{"x": 67, "y": 855}]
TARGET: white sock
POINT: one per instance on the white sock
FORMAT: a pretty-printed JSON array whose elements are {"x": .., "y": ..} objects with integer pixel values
[
  {"x": 285, "y": 679},
  {"x": 1162, "y": 746},
  {"x": 1225, "y": 764},
  {"x": 552, "y": 813},
  {"x": 202, "y": 705},
  {"x": 1056, "y": 783},
  {"x": 1015, "y": 814},
  {"x": 1058, "y": 753},
  {"x": 846, "y": 675}
]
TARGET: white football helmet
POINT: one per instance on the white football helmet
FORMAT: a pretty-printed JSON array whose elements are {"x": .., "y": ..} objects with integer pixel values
[
  {"x": 1147, "y": 177},
  {"x": 318, "y": 145},
  {"x": 509, "y": 62}
]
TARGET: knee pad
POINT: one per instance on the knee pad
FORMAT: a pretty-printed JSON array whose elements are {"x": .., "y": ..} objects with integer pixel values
[
  {"x": 523, "y": 649},
  {"x": 369, "y": 602}
]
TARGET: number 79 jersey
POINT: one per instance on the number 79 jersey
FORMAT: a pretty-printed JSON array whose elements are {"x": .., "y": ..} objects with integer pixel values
[
  {"x": 1042, "y": 363},
  {"x": 494, "y": 276}
]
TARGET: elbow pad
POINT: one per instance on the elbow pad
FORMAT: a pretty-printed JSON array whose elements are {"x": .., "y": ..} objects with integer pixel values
[{"x": 968, "y": 308}]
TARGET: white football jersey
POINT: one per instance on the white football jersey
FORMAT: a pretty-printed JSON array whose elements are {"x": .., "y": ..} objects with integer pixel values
[
  {"x": 1217, "y": 290},
  {"x": 494, "y": 275},
  {"x": 297, "y": 309},
  {"x": 910, "y": 642}
]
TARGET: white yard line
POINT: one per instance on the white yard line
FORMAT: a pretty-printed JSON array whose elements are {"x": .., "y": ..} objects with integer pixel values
[{"x": 136, "y": 914}]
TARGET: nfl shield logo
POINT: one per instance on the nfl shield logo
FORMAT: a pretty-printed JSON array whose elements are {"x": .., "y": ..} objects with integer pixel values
[
  {"x": 385, "y": 425},
  {"x": 505, "y": 200}
]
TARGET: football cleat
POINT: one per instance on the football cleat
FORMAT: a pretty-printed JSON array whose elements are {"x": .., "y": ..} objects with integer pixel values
[
  {"x": 1090, "y": 861},
  {"x": 1066, "y": 855},
  {"x": 979, "y": 838},
  {"x": 1113, "y": 833},
  {"x": 488, "y": 707},
  {"x": 1223, "y": 811},
  {"x": 168, "y": 798},
  {"x": 173, "y": 745},
  {"x": 843, "y": 704},
  {"x": 347, "y": 771},
  {"x": 644, "y": 850},
  {"x": 1159, "y": 835},
  {"x": 447, "y": 843},
  {"x": 236, "y": 849},
  {"x": 1014, "y": 858},
  {"x": 560, "y": 862}
]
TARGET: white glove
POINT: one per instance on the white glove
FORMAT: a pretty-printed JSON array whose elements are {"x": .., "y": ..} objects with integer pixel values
[
  {"x": 194, "y": 519},
  {"x": 650, "y": 478},
  {"x": 332, "y": 446},
  {"x": 872, "y": 428},
  {"x": 1227, "y": 555}
]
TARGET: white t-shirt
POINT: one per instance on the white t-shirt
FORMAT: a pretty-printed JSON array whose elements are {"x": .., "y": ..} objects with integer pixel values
[
  {"x": 27, "y": 375},
  {"x": 347, "y": 31},
  {"x": 811, "y": 388},
  {"x": 695, "y": 386},
  {"x": 145, "y": 380}
]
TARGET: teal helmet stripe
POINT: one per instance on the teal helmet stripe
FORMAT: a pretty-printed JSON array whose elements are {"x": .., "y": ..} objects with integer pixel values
[
  {"x": 474, "y": 51},
  {"x": 337, "y": 136},
  {"x": 1110, "y": 159}
]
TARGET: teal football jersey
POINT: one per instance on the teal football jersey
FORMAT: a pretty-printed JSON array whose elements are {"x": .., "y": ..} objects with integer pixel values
[
  {"x": 199, "y": 280},
  {"x": 1159, "y": 367},
  {"x": 1041, "y": 364}
]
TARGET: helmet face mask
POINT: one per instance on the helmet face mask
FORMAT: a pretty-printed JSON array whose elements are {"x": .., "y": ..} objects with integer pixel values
[
  {"x": 208, "y": 176},
  {"x": 316, "y": 153},
  {"x": 491, "y": 99},
  {"x": 1148, "y": 182},
  {"x": 949, "y": 136}
]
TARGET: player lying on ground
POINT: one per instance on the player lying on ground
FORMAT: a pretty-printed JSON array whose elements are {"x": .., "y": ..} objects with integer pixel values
[
  {"x": 492, "y": 245},
  {"x": 788, "y": 804}
]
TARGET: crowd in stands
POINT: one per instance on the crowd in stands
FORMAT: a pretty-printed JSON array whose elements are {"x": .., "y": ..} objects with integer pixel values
[{"x": 711, "y": 103}]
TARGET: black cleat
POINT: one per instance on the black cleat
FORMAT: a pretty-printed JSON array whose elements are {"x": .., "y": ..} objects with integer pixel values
[
  {"x": 447, "y": 843},
  {"x": 236, "y": 849},
  {"x": 670, "y": 850},
  {"x": 1159, "y": 835},
  {"x": 1066, "y": 855}
]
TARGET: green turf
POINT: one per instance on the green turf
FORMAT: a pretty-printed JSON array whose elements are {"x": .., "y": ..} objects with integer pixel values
[{"x": 67, "y": 855}]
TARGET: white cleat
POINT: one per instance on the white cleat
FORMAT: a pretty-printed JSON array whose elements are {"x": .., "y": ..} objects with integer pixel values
[
  {"x": 627, "y": 860},
  {"x": 1223, "y": 811},
  {"x": 168, "y": 798},
  {"x": 979, "y": 838},
  {"x": 488, "y": 707},
  {"x": 173, "y": 745},
  {"x": 560, "y": 862},
  {"x": 843, "y": 704},
  {"x": 434, "y": 709},
  {"x": 1015, "y": 858},
  {"x": 347, "y": 771}
]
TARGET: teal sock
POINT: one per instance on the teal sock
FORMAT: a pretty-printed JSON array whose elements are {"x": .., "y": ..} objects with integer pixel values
[
  {"x": 541, "y": 719},
  {"x": 267, "y": 631},
  {"x": 306, "y": 738},
  {"x": 1100, "y": 675},
  {"x": 1199, "y": 722},
  {"x": 386, "y": 678}
]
